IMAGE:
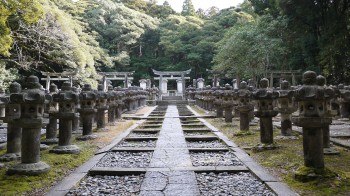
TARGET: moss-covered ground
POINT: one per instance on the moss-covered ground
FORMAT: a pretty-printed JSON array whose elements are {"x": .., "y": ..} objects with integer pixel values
[
  {"x": 285, "y": 161},
  {"x": 61, "y": 165}
]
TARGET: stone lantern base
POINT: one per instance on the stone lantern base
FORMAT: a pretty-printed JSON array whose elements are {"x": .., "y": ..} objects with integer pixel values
[
  {"x": 263, "y": 147},
  {"x": 86, "y": 137},
  {"x": 69, "y": 149},
  {"x": 330, "y": 151},
  {"x": 50, "y": 141},
  {"x": 10, "y": 157},
  {"x": 30, "y": 169},
  {"x": 307, "y": 174}
]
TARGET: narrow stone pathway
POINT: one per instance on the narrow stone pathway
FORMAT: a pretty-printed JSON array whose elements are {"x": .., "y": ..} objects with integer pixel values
[
  {"x": 170, "y": 156},
  {"x": 172, "y": 153}
]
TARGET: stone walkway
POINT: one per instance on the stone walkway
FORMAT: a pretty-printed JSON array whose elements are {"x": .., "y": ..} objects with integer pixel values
[
  {"x": 170, "y": 155},
  {"x": 176, "y": 167}
]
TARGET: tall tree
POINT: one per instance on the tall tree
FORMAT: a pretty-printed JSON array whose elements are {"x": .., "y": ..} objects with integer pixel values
[{"x": 188, "y": 8}]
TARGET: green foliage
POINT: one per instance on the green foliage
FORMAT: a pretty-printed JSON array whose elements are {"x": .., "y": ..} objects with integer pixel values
[
  {"x": 119, "y": 28},
  {"x": 188, "y": 8},
  {"x": 250, "y": 49},
  {"x": 7, "y": 75},
  {"x": 26, "y": 11}
]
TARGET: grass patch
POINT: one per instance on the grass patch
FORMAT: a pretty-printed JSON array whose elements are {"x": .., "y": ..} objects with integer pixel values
[
  {"x": 284, "y": 162},
  {"x": 61, "y": 165}
]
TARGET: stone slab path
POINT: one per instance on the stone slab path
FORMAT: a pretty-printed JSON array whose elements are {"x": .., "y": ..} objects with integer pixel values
[{"x": 171, "y": 153}]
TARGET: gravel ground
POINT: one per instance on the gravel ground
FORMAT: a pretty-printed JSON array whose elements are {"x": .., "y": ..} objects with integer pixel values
[
  {"x": 137, "y": 144},
  {"x": 205, "y": 144},
  {"x": 199, "y": 133},
  {"x": 224, "y": 184},
  {"x": 125, "y": 159},
  {"x": 139, "y": 134},
  {"x": 221, "y": 158},
  {"x": 109, "y": 185}
]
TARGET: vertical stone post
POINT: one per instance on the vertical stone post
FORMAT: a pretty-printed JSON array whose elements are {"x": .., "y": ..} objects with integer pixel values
[
  {"x": 200, "y": 83},
  {"x": 327, "y": 149},
  {"x": 160, "y": 87},
  {"x": 32, "y": 101},
  {"x": 143, "y": 83},
  {"x": 87, "y": 111},
  {"x": 183, "y": 86},
  {"x": 75, "y": 122},
  {"x": 179, "y": 87},
  {"x": 165, "y": 87},
  {"x": 344, "y": 101},
  {"x": 67, "y": 100},
  {"x": 112, "y": 104},
  {"x": 51, "y": 128},
  {"x": 14, "y": 131}
]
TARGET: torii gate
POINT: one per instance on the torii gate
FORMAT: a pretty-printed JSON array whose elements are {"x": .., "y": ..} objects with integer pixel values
[
  {"x": 121, "y": 76},
  {"x": 169, "y": 75},
  {"x": 64, "y": 76}
]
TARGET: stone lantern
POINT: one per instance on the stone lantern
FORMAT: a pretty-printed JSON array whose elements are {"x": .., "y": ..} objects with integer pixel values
[
  {"x": 218, "y": 93},
  {"x": 228, "y": 102},
  {"x": 75, "y": 122},
  {"x": 327, "y": 149},
  {"x": 87, "y": 111},
  {"x": 32, "y": 101},
  {"x": 112, "y": 104},
  {"x": 120, "y": 102},
  {"x": 14, "y": 132},
  {"x": 312, "y": 118},
  {"x": 344, "y": 101},
  {"x": 52, "y": 109},
  {"x": 285, "y": 107},
  {"x": 208, "y": 98},
  {"x": 101, "y": 106},
  {"x": 244, "y": 106},
  {"x": 67, "y": 100},
  {"x": 265, "y": 111}
]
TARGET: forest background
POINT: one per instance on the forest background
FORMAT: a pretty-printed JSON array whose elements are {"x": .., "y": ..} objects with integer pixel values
[{"x": 90, "y": 36}]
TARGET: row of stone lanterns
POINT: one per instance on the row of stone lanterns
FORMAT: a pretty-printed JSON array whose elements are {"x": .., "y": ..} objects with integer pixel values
[
  {"x": 313, "y": 101},
  {"x": 24, "y": 112}
]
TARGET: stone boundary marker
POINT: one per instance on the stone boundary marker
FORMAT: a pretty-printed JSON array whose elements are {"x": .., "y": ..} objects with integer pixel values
[
  {"x": 79, "y": 173},
  {"x": 260, "y": 172}
]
